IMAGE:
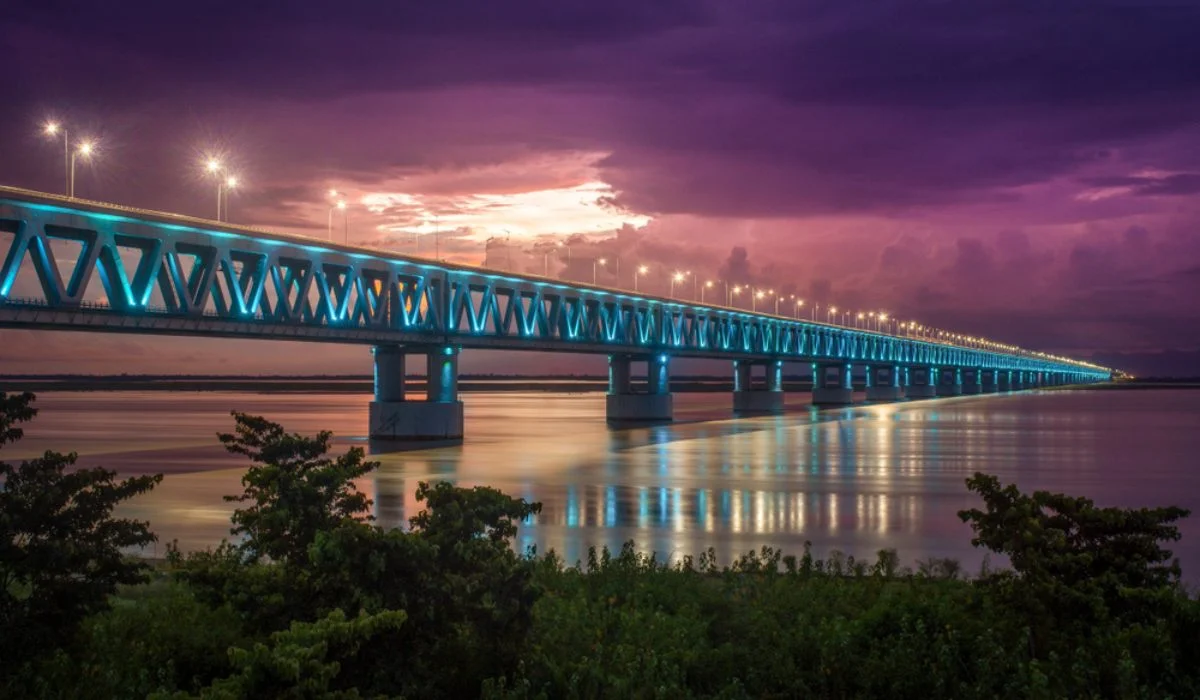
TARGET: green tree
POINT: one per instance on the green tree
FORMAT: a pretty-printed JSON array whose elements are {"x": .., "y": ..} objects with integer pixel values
[
  {"x": 294, "y": 488},
  {"x": 1072, "y": 543},
  {"x": 60, "y": 547},
  {"x": 303, "y": 662}
]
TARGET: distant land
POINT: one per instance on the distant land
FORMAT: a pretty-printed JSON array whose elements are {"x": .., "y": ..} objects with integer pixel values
[{"x": 363, "y": 383}]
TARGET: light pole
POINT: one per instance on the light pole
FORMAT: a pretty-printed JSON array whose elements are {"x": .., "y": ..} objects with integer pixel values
[
  {"x": 52, "y": 129},
  {"x": 85, "y": 149},
  {"x": 777, "y": 298},
  {"x": 340, "y": 204},
  {"x": 677, "y": 277},
  {"x": 231, "y": 183},
  {"x": 754, "y": 300},
  {"x": 831, "y": 313},
  {"x": 799, "y": 305},
  {"x": 737, "y": 289},
  {"x": 642, "y": 269},
  {"x": 707, "y": 285},
  {"x": 596, "y": 261}
]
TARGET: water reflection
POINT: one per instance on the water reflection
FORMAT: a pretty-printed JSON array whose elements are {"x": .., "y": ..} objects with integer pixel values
[{"x": 857, "y": 479}]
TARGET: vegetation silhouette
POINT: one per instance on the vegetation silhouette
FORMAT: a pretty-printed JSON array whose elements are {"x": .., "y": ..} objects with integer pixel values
[{"x": 315, "y": 600}]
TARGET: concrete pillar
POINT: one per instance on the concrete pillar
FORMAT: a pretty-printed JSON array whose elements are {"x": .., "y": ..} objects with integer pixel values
[
  {"x": 619, "y": 375},
  {"x": 1004, "y": 380},
  {"x": 922, "y": 383},
  {"x": 1018, "y": 380},
  {"x": 623, "y": 405},
  {"x": 971, "y": 383},
  {"x": 988, "y": 380},
  {"x": 438, "y": 417},
  {"x": 748, "y": 398},
  {"x": 831, "y": 385},
  {"x": 389, "y": 372},
  {"x": 884, "y": 383},
  {"x": 949, "y": 381}
]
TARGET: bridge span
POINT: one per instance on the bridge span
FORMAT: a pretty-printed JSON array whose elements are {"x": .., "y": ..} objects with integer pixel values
[{"x": 165, "y": 274}]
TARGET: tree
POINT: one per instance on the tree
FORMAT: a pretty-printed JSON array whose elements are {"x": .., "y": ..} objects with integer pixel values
[
  {"x": 296, "y": 490},
  {"x": 60, "y": 548},
  {"x": 304, "y": 661},
  {"x": 1075, "y": 562}
]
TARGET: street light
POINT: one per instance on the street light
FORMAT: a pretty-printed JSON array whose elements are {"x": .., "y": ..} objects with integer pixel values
[
  {"x": 52, "y": 129},
  {"x": 85, "y": 149},
  {"x": 754, "y": 300},
  {"x": 642, "y": 269},
  {"x": 677, "y": 277},
  {"x": 707, "y": 285},
  {"x": 858, "y": 318},
  {"x": 832, "y": 312},
  {"x": 731, "y": 293},
  {"x": 231, "y": 183},
  {"x": 213, "y": 167},
  {"x": 340, "y": 204},
  {"x": 799, "y": 305},
  {"x": 595, "y": 261}
]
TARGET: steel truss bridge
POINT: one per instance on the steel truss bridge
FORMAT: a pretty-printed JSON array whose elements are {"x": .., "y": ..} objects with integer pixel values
[{"x": 164, "y": 274}]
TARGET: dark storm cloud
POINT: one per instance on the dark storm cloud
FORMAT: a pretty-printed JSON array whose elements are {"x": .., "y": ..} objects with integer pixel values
[
  {"x": 1067, "y": 113},
  {"x": 1147, "y": 185},
  {"x": 759, "y": 108}
]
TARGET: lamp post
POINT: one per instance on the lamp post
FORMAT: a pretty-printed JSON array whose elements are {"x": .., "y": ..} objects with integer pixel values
[
  {"x": 707, "y": 285},
  {"x": 831, "y": 313},
  {"x": 758, "y": 294},
  {"x": 796, "y": 311},
  {"x": 52, "y": 129},
  {"x": 85, "y": 149},
  {"x": 340, "y": 204},
  {"x": 231, "y": 183},
  {"x": 677, "y": 277},
  {"x": 596, "y": 261},
  {"x": 642, "y": 269}
]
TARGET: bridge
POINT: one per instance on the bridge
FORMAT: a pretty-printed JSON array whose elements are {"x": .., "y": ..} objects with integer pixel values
[{"x": 165, "y": 274}]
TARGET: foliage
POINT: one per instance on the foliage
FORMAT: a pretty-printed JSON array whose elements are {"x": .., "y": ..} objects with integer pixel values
[
  {"x": 155, "y": 638},
  {"x": 60, "y": 547},
  {"x": 295, "y": 490},
  {"x": 303, "y": 662}
]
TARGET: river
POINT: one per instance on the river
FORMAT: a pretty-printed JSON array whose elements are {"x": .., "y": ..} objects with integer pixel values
[{"x": 855, "y": 479}]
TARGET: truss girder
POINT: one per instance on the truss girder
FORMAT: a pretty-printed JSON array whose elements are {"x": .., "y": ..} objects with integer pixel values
[{"x": 158, "y": 276}]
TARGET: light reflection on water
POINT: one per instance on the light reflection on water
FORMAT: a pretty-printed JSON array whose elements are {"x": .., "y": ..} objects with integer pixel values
[{"x": 856, "y": 479}]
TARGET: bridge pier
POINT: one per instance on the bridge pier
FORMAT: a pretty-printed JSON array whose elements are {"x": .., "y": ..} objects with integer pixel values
[
  {"x": 749, "y": 398},
  {"x": 971, "y": 383},
  {"x": 393, "y": 416},
  {"x": 623, "y": 405},
  {"x": 831, "y": 384},
  {"x": 988, "y": 380},
  {"x": 884, "y": 383},
  {"x": 922, "y": 383},
  {"x": 1004, "y": 380},
  {"x": 949, "y": 381}
]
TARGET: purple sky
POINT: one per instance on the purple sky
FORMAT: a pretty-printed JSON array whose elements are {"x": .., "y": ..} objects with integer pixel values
[{"x": 1025, "y": 171}]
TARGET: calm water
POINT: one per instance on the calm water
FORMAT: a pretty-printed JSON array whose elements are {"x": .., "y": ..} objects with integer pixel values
[{"x": 856, "y": 479}]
